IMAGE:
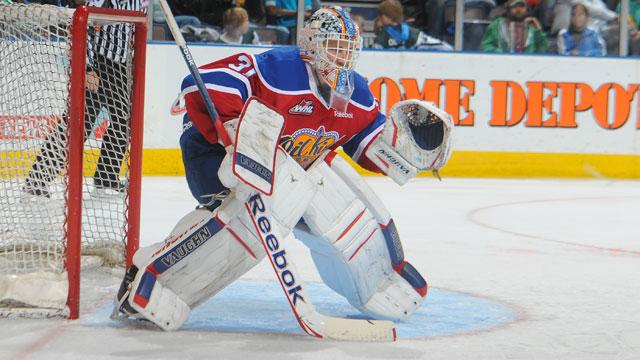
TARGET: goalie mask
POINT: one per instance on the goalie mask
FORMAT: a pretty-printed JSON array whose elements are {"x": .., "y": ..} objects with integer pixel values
[{"x": 331, "y": 43}]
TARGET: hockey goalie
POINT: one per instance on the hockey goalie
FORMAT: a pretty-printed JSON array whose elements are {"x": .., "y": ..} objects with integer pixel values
[{"x": 291, "y": 108}]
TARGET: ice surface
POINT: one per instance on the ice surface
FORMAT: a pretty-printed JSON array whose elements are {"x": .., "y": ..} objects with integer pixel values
[
  {"x": 258, "y": 306},
  {"x": 558, "y": 260}
]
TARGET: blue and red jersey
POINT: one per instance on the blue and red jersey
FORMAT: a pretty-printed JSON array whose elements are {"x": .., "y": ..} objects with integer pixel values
[{"x": 282, "y": 80}]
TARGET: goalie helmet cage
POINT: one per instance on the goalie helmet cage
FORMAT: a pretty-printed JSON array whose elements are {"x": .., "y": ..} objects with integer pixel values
[{"x": 49, "y": 221}]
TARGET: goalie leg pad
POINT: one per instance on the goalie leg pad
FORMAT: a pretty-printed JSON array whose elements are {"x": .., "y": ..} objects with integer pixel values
[
  {"x": 207, "y": 251},
  {"x": 367, "y": 279},
  {"x": 293, "y": 191},
  {"x": 364, "y": 192},
  {"x": 351, "y": 251},
  {"x": 202, "y": 256},
  {"x": 157, "y": 303}
]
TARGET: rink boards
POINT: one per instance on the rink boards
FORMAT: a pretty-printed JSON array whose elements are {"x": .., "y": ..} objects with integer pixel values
[{"x": 517, "y": 116}]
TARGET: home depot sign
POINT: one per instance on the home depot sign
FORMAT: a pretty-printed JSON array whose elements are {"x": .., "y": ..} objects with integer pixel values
[
  {"x": 500, "y": 102},
  {"x": 531, "y": 104}
]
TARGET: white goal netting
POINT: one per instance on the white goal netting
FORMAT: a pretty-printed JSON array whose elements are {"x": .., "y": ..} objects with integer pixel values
[{"x": 35, "y": 81}]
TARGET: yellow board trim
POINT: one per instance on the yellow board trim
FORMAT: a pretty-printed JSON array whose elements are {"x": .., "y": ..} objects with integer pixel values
[{"x": 168, "y": 162}]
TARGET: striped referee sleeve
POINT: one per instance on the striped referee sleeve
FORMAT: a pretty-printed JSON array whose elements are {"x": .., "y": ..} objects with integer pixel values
[{"x": 113, "y": 41}]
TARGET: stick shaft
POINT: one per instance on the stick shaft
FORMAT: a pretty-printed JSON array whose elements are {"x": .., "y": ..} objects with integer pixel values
[{"x": 193, "y": 69}]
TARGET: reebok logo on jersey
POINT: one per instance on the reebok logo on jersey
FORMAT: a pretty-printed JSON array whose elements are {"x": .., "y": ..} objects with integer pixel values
[
  {"x": 304, "y": 107},
  {"x": 344, "y": 115}
]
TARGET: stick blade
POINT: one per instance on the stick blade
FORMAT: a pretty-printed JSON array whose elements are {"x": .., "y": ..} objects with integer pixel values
[{"x": 359, "y": 330}]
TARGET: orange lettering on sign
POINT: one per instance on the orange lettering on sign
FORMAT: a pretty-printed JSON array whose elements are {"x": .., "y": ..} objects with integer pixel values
[
  {"x": 508, "y": 107},
  {"x": 534, "y": 104},
  {"x": 545, "y": 104},
  {"x": 537, "y": 102},
  {"x": 454, "y": 101},
  {"x": 430, "y": 90},
  {"x": 392, "y": 92},
  {"x": 568, "y": 104},
  {"x": 622, "y": 102}
]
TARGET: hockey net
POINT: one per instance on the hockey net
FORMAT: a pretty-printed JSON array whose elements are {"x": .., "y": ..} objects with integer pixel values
[{"x": 71, "y": 98}]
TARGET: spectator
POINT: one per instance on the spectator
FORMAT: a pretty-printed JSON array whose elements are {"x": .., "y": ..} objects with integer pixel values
[
  {"x": 256, "y": 11},
  {"x": 285, "y": 11},
  {"x": 208, "y": 11},
  {"x": 599, "y": 15},
  {"x": 397, "y": 34},
  {"x": 515, "y": 32},
  {"x": 181, "y": 20},
  {"x": 236, "y": 28},
  {"x": 377, "y": 25},
  {"x": 360, "y": 21},
  {"x": 579, "y": 39}
]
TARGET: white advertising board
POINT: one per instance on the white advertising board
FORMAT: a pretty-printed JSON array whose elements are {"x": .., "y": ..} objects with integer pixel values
[{"x": 502, "y": 103}]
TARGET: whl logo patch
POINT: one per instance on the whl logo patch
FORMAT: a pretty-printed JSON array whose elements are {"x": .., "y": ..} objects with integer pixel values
[{"x": 304, "y": 107}]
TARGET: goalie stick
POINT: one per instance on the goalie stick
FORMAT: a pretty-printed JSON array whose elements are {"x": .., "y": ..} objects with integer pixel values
[
  {"x": 312, "y": 322},
  {"x": 193, "y": 69}
]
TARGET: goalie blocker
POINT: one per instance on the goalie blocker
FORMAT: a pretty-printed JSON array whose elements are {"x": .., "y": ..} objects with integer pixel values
[{"x": 416, "y": 138}]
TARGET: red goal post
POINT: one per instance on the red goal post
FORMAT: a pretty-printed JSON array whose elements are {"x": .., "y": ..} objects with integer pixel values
[
  {"x": 36, "y": 236},
  {"x": 81, "y": 17}
]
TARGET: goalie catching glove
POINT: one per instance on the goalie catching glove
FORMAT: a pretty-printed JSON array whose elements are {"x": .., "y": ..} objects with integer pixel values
[{"x": 416, "y": 138}]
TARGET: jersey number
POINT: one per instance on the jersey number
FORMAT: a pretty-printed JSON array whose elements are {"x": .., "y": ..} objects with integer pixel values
[{"x": 243, "y": 63}]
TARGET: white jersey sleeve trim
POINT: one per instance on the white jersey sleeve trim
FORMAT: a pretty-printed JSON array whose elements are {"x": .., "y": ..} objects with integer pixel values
[
  {"x": 235, "y": 75},
  {"x": 224, "y": 89},
  {"x": 360, "y": 106}
]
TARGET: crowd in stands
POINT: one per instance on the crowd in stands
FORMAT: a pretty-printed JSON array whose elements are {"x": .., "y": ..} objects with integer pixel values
[{"x": 567, "y": 27}]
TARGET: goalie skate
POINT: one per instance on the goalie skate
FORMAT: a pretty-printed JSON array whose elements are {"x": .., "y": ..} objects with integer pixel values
[{"x": 122, "y": 309}]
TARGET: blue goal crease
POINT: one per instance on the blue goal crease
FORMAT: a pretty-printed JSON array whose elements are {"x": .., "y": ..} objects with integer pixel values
[{"x": 258, "y": 306}]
